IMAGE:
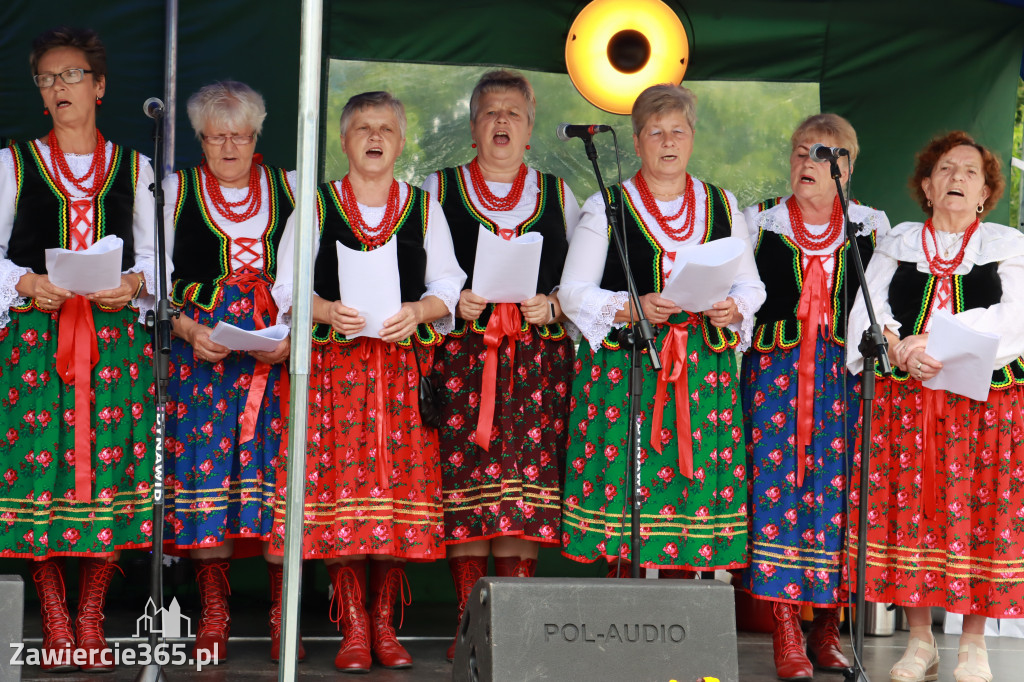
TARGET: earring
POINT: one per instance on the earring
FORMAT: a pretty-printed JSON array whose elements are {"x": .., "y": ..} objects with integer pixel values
[
  {"x": 99, "y": 101},
  {"x": 527, "y": 146},
  {"x": 929, "y": 203},
  {"x": 473, "y": 145},
  {"x": 980, "y": 208},
  {"x": 46, "y": 112}
]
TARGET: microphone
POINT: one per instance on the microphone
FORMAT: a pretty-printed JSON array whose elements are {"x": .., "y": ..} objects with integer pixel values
[
  {"x": 820, "y": 152},
  {"x": 567, "y": 131},
  {"x": 153, "y": 107}
]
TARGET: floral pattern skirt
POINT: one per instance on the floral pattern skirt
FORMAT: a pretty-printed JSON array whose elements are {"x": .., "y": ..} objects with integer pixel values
[
  {"x": 797, "y": 535},
  {"x": 40, "y": 515},
  {"x": 373, "y": 477},
  {"x": 218, "y": 487},
  {"x": 698, "y": 523},
  {"x": 514, "y": 487},
  {"x": 961, "y": 548}
]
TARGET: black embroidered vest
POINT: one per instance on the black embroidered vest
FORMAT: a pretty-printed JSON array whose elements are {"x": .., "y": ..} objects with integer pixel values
[
  {"x": 202, "y": 252},
  {"x": 410, "y": 229},
  {"x": 780, "y": 266},
  {"x": 547, "y": 219},
  {"x": 645, "y": 257},
  {"x": 911, "y": 294},
  {"x": 40, "y": 205}
]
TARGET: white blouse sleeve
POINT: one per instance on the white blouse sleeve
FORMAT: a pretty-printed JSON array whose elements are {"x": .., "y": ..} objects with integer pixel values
[
  {"x": 750, "y": 214},
  {"x": 444, "y": 278},
  {"x": 878, "y": 274},
  {"x": 431, "y": 184},
  {"x": 170, "y": 187},
  {"x": 9, "y": 272},
  {"x": 747, "y": 288},
  {"x": 284, "y": 276},
  {"x": 591, "y": 308},
  {"x": 144, "y": 234}
]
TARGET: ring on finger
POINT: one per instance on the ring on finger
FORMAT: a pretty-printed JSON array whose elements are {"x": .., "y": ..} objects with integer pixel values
[{"x": 918, "y": 365}]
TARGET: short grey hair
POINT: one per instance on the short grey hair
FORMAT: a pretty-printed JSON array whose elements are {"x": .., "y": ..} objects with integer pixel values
[
  {"x": 832, "y": 125},
  {"x": 372, "y": 100},
  {"x": 500, "y": 80},
  {"x": 659, "y": 99},
  {"x": 229, "y": 103}
]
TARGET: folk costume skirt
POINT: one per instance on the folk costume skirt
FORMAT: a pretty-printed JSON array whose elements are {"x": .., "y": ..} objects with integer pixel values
[
  {"x": 797, "y": 533},
  {"x": 945, "y": 525},
  {"x": 696, "y": 523},
  {"x": 514, "y": 487},
  {"x": 41, "y": 472},
  {"x": 373, "y": 478},
  {"x": 219, "y": 487}
]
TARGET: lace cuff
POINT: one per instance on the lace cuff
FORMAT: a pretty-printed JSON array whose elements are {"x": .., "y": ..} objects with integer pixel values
[
  {"x": 147, "y": 301},
  {"x": 746, "y": 330},
  {"x": 597, "y": 314},
  {"x": 444, "y": 325},
  {"x": 9, "y": 296}
]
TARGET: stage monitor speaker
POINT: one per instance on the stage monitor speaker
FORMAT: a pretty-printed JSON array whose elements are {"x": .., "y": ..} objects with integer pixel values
[
  {"x": 596, "y": 629},
  {"x": 12, "y": 606}
]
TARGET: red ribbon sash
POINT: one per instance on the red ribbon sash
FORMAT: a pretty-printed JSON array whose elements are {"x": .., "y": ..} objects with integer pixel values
[
  {"x": 674, "y": 369},
  {"x": 250, "y": 282},
  {"x": 77, "y": 354},
  {"x": 812, "y": 308},
  {"x": 929, "y": 432},
  {"x": 505, "y": 321},
  {"x": 373, "y": 354}
]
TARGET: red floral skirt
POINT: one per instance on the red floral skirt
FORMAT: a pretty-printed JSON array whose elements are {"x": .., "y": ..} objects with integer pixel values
[
  {"x": 373, "y": 478},
  {"x": 947, "y": 533},
  {"x": 514, "y": 487}
]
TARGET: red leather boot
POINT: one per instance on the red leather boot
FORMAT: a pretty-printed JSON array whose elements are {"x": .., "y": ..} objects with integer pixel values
[
  {"x": 58, "y": 634},
  {"x": 514, "y": 567},
  {"x": 387, "y": 582},
  {"x": 276, "y": 573},
  {"x": 354, "y": 653},
  {"x": 93, "y": 583},
  {"x": 676, "y": 574},
  {"x": 215, "y": 616},
  {"x": 466, "y": 570},
  {"x": 622, "y": 569},
  {"x": 791, "y": 662},
  {"x": 823, "y": 646}
]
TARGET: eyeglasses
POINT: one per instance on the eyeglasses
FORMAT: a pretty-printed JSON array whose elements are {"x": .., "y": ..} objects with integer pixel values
[
  {"x": 238, "y": 140},
  {"x": 70, "y": 76}
]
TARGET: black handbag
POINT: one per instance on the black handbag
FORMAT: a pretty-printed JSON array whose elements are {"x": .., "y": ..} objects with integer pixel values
[{"x": 429, "y": 395}]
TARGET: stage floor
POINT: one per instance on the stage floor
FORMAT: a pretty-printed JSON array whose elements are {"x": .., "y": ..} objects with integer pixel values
[{"x": 426, "y": 634}]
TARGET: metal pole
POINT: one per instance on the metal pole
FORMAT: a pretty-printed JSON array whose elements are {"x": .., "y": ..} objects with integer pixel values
[
  {"x": 302, "y": 320},
  {"x": 170, "y": 84}
]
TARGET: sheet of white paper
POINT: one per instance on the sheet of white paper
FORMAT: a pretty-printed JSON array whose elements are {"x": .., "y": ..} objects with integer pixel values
[
  {"x": 966, "y": 355},
  {"x": 505, "y": 271},
  {"x": 369, "y": 282},
  {"x": 235, "y": 338},
  {"x": 702, "y": 275},
  {"x": 97, "y": 268}
]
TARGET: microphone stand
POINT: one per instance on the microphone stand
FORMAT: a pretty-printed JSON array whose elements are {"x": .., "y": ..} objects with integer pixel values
[
  {"x": 158, "y": 324},
  {"x": 640, "y": 334},
  {"x": 874, "y": 349}
]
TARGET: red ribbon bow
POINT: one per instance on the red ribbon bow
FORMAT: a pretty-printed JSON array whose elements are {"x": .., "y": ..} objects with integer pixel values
[
  {"x": 674, "y": 369},
  {"x": 77, "y": 353},
  {"x": 812, "y": 309},
  {"x": 505, "y": 321}
]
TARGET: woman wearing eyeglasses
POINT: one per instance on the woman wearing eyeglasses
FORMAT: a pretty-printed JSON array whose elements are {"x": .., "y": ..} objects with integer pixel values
[
  {"x": 224, "y": 220},
  {"x": 75, "y": 380}
]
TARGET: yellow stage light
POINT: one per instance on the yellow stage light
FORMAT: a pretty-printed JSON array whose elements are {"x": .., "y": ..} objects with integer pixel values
[{"x": 616, "y": 48}]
